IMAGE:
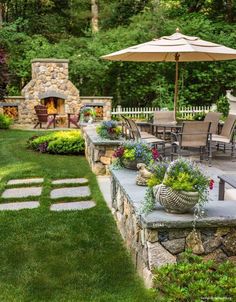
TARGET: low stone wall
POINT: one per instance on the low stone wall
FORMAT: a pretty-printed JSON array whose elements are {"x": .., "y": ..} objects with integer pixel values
[
  {"x": 159, "y": 237},
  {"x": 99, "y": 151}
]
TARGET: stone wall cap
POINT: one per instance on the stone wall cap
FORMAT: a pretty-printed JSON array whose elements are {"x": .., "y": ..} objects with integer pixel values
[
  {"x": 218, "y": 213},
  {"x": 96, "y": 97},
  {"x": 50, "y": 60},
  {"x": 14, "y": 97},
  {"x": 91, "y": 134}
]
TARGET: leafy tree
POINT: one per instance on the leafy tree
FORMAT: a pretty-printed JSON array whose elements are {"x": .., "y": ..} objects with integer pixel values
[{"x": 3, "y": 73}]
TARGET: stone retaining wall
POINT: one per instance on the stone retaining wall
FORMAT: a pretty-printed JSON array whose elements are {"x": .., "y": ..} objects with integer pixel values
[
  {"x": 159, "y": 238},
  {"x": 99, "y": 151}
]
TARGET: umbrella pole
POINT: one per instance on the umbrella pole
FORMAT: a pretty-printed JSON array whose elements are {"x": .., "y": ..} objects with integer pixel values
[{"x": 177, "y": 55}]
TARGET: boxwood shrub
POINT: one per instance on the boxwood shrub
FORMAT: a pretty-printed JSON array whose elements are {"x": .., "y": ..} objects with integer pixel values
[
  {"x": 5, "y": 121},
  {"x": 193, "y": 279},
  {"x": 61, "y": 142}
]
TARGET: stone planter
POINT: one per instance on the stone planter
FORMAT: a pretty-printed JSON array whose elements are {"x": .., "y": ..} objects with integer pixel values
[{"x": 175, "y": 201}]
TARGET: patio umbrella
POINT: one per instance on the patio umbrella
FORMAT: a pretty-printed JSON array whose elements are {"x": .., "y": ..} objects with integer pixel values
[{"x": 175, "y": 48}]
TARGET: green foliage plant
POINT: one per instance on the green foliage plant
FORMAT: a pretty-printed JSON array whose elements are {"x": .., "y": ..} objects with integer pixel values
[
  {"x": 180, "y": 175},
  {"x": 5, "y": 121},
  {"x": 109, "y": 130},
  {"x": 62, "y": 142},
  {"x": 193, "y": 279},
  {"x": 223, "y": 106},
  {"x": 183, "y": 174},
  {"x": 134, "y": 151}
]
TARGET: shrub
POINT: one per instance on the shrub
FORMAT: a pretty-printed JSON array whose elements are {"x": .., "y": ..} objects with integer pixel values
[
  {"x": 5, "y": 121},
  {"x": 192, "y": 279},
  {"x": 63, "y": 142},
  {"x": 199, "y": 116},
  {"x": 223, "y": 106}
]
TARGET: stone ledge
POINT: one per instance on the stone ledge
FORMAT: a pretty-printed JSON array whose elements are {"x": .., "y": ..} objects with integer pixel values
[
  {"x": 48, "y": 60},
  {"x": 218, "y": 213},
  {"x": 90, "y": 132}
]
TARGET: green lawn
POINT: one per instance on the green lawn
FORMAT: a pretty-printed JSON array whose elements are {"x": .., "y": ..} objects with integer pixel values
[{"x": 66, "y": 256}]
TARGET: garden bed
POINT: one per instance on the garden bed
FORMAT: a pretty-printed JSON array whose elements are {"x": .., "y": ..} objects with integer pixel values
[{"x": 159, "y": 238}]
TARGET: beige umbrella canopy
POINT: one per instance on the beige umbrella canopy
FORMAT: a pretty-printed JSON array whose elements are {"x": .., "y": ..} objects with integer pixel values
[{"x": 174, "y": 48}]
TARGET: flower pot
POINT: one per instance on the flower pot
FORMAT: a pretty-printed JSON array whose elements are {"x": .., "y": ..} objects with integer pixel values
[
  {"x": 131, "y": 164},
  {"x": 175, "y": 201}
]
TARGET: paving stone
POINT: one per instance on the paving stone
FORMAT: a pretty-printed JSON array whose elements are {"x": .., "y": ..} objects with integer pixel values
[
  {"x": 70, "y": 181},
  {"x": 22, "y": 192},
  {"x": 70, "y": 192},
  {"x": 15, "y": 206},
  {"x": 25, "y": 181},
  {"x": 69, "y": 206}
]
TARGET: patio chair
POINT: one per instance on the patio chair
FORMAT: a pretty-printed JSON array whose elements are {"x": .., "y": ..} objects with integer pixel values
[
  {"x": 73, "y": 119},
  {"x": 163, "y": 122},
  {"x": 44, "y": 117},
  {"x": 164, "y": 117},
  {"x": 214, "y": 118},
  {"x": 145, "y": 137},
  {"x": 194, "y": 135},
  {"x": 227, "y": 136}
]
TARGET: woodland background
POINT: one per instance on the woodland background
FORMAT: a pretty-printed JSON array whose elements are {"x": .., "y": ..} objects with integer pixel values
[{"x": 84, "y": 30}]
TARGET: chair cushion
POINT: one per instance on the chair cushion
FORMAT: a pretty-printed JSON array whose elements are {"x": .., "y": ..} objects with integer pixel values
[{"x": 230, "y": 194}]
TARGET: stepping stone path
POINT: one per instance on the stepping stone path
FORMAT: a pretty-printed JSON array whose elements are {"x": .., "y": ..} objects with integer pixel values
[
  {"x": 70, "y": 192},
  {"x": 25, "y": 181},
  {"x": 22, "y": 192},
  {"x": 69, "y": 206},
  {"x": 70, "y": 181},
  {"x": 15, "y": 206}
]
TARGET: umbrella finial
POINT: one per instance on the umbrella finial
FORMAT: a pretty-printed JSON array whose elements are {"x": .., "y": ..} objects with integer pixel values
[{"x": 177, "y": 30}]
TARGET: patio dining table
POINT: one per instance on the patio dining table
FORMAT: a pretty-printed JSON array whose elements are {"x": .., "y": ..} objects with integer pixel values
[{"x": 166, "y": 128}]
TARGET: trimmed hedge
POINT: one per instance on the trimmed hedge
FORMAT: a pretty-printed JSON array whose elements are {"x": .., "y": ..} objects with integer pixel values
[{"x": 62, "y": 142}]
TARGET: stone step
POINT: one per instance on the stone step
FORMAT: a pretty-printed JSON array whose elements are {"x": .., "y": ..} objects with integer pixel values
[
  {"x": 70, "y": 206},
  {"x": 70, "y": 181},
  {"x": 70, "y": 192},
  {"x": 22, "y": 192},
  {"x": 25, "y": 181},
  {"x": 16, "y": 206}
]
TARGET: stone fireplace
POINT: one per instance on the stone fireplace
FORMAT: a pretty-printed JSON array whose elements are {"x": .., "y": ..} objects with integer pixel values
[{"x": 50, "y": 86}]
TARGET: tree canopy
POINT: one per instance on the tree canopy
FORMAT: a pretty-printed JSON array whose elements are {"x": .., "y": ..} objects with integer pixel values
[{"x": 64, "y": 29}]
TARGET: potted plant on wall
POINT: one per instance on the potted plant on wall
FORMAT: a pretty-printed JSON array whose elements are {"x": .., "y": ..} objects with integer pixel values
[
  {"x": 178, "y": 186},
  {"x": 87, "y": 114},
  {"x": 109, "y": 130},
  {"x": 129, "y": 154}
]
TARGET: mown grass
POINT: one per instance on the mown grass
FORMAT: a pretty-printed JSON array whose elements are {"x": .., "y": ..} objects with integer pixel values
[{"x": 60, "y": 256}]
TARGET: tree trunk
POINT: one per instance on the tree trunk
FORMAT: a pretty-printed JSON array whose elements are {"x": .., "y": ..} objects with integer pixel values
[
  {"x": 94, "y": 10},
  {"x": 229, "y": 9},
  {"x": 1, "y": 14}
]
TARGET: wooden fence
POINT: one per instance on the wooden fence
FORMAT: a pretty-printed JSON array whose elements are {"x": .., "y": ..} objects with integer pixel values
[{"x": 146, "y": 112}]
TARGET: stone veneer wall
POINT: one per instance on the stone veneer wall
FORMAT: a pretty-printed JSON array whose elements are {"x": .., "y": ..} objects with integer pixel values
[
  {"x": 158, "y": 243},
  {"x": 104, "y": 101},
  {"x": 99, "y": 151},
  {"x": 49, "y": 79}
]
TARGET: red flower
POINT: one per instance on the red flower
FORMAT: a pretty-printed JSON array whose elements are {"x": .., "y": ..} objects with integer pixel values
[
  {"x": 155, "y": 153},
  {"x": 211, "y": 184},
  {"x": 119, "y": 152}
]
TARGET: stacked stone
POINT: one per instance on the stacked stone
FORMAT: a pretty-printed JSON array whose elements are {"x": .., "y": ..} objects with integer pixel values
[
  {"x": 157, "y": 246},
  {"x": 99, "y": 152}
]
